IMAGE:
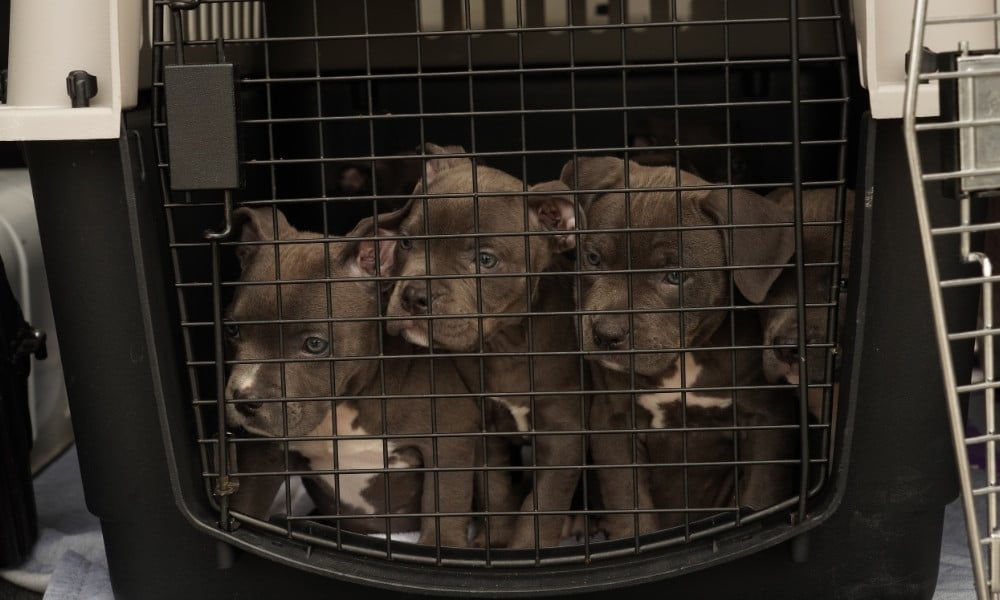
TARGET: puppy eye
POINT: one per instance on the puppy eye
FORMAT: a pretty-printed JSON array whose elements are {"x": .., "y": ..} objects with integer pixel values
[
  {"x": 232, "y": 330},
  {"x": 315, "y": 345},
  {"x": 593, "y": 258},
  {"x": 487, "y": 260},
  {"x": 406, "y": 244},
  {"x": 675, "y": 277}
]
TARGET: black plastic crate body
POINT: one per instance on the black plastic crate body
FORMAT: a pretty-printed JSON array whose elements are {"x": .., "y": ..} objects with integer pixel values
[{"x": 550, "y": 570}]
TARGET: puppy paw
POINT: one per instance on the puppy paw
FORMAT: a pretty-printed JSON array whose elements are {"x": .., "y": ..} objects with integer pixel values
[
  {"x": 548, "y": 533},
  {"x": 454, "y": 533},
  {"x": 623, "y": 526},
  {"x": 579, "y": 527},
  {"x": 499, "y": 536}
]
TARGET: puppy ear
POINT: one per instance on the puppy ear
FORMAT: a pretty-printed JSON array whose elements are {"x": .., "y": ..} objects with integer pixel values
[
  {"x": 364, "y": 258},
  {"x": 821, "y": 205},
  {"x": 361, "y": 257},
  {"x": 258, "y": 225},
  {"x": 594, "y": 173},
  {"x": 435, "y": 166},
  {"x": 555, "y": 211},
  {"x": 784, "y": 196},
  {"x": 753, "y": 245},
  {"x": 387, "y": 220}
]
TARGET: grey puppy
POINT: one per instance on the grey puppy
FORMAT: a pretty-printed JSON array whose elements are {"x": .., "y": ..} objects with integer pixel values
[
  {"x": 780, "y": 325},
  {"x": 493, "y": 269},
  {"x": 337, "y": 320},
  {"x": 663, "y": 332}
]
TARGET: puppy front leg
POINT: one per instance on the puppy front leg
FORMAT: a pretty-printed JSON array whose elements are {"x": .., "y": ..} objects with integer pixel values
[
  {"x": 611, "y": 412},
  {"x": 448, "y": 492},
  {"x": 552, "y": 491},
  {"x": 764, "y": 485},
  {"x": 617, "y": 485},
  {"x": 497, "y": 489},
  {"x": 256, "y": 493}
]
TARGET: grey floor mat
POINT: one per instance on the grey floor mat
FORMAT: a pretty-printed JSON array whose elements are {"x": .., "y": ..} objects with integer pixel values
[{"x": 955, "y": 581}]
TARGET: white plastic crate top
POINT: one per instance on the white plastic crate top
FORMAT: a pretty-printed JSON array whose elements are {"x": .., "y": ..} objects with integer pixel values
[
  {"x": 51, "y": 38},
  {"x": 883, "y": 28}
]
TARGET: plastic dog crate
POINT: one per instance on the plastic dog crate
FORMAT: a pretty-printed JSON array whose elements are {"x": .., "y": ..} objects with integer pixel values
[{"x": 290, "y": 106}]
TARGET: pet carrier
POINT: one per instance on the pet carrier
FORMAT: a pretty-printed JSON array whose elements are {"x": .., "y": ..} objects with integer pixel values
[{"x": 456, "y": 297}]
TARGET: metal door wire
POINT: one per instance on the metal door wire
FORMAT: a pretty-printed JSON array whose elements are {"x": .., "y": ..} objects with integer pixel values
[{"x": 970, "y": 182}]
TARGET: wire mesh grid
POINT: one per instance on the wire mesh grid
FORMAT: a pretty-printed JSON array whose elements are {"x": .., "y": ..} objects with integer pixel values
[
  {"x": 967, "y": 81},
  {"x": 515, "y": 283}
]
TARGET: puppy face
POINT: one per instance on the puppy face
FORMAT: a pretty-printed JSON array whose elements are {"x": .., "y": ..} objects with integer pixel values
[
  {"x": 484, "y": 258},
  {"x": 312, "y": 333},
  {"x": 780, "y": 325},
  {"x": 674, "y": 273}
]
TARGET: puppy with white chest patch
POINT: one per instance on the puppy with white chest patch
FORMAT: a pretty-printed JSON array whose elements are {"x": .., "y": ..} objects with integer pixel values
[
  {"x": 325, "y": 372},
  {"x": 492, "y": 266},
  {"x": 668, "y": 352}
]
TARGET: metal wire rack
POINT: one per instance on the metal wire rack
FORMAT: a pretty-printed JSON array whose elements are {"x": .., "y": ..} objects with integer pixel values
[
  {"x": 967, "y": 81},
  {"x": 337, "y": 103}
]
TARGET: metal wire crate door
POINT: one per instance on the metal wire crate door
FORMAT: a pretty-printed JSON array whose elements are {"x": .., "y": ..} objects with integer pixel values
[{"x": 972, "y": 77}]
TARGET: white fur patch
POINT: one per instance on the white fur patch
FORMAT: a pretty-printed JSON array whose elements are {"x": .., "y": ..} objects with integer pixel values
[
  {"x": 417, "y": 337},
  {"x": 520, "y": 413},
  {"x": 351, "y": 454},
  {"x": 654, "y": 401},
  {"x": 244, "y": 377}
]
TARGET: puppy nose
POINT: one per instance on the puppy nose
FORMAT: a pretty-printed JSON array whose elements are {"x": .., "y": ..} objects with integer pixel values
[
  {"x": 414, "y": 299},
  {"x": 246, "y": 408},
  {"x": 610, "y": 335}
]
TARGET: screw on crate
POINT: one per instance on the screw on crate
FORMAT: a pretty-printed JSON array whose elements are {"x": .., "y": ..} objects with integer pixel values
[{"x": 81, "y": 87}]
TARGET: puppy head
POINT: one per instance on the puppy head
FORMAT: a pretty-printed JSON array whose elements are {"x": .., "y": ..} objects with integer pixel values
[
  {"x": 677, "y": 273},
  {"x": 443, "y": 160},
  {"x": 780, "y": 325},
  {"x": 483, "y": 261},
  {"x": 312, "y": 332}
]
